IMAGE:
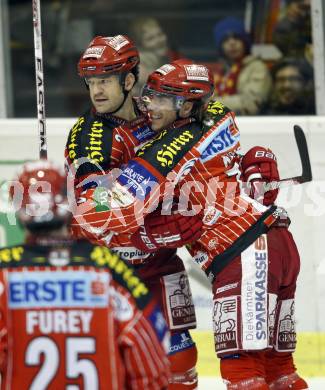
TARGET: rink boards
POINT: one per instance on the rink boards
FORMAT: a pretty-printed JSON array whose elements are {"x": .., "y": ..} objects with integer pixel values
[{"x": 309, "y": 356}]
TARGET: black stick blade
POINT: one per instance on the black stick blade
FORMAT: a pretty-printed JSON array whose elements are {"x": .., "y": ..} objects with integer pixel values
[{"x": 300, "y": 137}]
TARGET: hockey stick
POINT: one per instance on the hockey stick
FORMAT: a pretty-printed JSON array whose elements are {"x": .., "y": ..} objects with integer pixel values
[
  {"x": 306, "y": 175},
  {"x": 39, "y": 75}
]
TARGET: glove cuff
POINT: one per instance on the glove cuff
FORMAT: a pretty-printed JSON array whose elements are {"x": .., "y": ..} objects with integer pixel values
[{"x": 142, "y": 240}]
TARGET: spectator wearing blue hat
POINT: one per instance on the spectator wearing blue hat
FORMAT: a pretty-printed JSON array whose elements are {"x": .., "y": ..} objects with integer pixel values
[{"x": 242, "y": 81}]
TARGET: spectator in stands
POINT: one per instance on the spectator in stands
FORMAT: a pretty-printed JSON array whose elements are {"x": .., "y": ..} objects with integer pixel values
[
  {"x": 242, "y": 81},
  {"x": 292, "y": 34},
  {"x": 153, "y": 46},
  {"x": 293, "y": 92}
]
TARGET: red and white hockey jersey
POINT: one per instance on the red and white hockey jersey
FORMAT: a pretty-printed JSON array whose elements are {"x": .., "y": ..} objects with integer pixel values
[{"x": 76, "y": 315}]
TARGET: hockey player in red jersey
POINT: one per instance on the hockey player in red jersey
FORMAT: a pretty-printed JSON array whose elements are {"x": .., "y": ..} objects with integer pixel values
[
  {"x": 72, "y": 314},
  {"x": 109, "y": 67},
  {"x": 191, "y": 159},
  {"x": 254, "y": 296},
  {"x": 103, "y": 139},
  {"x": 200, "y": 161}
]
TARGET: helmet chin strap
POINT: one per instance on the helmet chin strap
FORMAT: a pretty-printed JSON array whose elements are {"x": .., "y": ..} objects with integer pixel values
[
  {"x": 178, "y": 117},
  {"x": 125, "y": 93}
]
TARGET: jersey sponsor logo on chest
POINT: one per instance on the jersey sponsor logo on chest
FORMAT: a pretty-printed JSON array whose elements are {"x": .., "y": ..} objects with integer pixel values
[
  {"x": 143, "y": 133},
  {"x": 137, "y": 179},
  {"x": 58, "y": 289},
  {"x": 166, "y": 155},
  {"x": 219, "y": 141}
]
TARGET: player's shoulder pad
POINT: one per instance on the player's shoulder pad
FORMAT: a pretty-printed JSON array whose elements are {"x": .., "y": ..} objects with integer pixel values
[
  {"x": 75, "y": 132},
  {"x": 123, "y": 273},
  {"x": 214, "y": 113},
  {"x": 217, "y": 108},
  {"x": 78, "y": 253},
  {"x": 80, "y": 122},
  {"x": 91, "y": 138},
  {"x": 165, "y": 150},
  {"x": 69, "y": 252},
  {"x": 12, "y": 256}
]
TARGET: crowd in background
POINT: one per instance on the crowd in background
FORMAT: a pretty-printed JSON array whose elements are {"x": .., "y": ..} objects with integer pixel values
[
  {"x": 249, "y": 81},
  {"x": 251, "y": 86}
]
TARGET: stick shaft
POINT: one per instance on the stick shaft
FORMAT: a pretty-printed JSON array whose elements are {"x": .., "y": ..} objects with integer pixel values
[{"x": 39, "y": 76}]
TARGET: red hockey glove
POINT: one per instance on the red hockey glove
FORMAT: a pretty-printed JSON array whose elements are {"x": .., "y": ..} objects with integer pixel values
[
  {"x": 86, "y": 222},
  {"x": 260, "y": 165},
  {"x": 166, "y": 231}
]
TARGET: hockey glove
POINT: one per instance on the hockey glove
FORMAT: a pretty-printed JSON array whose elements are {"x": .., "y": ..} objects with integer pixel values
[
  {"x": 166, "y": 231},
  {"x": 259, "y": 166}
]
